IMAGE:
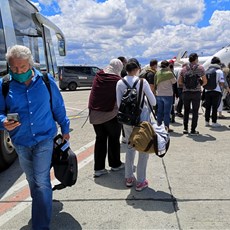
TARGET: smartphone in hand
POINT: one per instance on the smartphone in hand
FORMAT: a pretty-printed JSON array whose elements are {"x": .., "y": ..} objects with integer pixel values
[{"x": 13, "y": 117}]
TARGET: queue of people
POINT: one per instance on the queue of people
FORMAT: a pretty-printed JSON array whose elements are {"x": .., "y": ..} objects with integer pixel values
[
  {"x": 33, "y": 134},
  {"x": 159, "y": 87}
]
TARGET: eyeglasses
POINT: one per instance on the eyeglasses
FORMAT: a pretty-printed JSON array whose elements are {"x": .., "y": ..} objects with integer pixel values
[{"x": 16, "y": 69}]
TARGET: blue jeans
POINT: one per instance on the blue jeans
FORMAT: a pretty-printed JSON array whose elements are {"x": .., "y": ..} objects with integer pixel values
[
  {"x": 35, "y": 162},
  {"x": 164, "y": 106}
]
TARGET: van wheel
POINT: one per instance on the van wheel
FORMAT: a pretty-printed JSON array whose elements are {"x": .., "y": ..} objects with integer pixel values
[
  {"x": 72, "y": 86},
  {"x": 7, "y": 151}
]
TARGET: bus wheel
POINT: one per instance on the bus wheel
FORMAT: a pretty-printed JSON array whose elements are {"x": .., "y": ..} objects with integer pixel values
[
  {"x": 72, "y": 86},
  {"x": 7, "y": 151}
]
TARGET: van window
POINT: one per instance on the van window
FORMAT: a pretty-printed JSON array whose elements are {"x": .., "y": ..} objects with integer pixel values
[
  {"x": 85, "y": 70},
  {"x": 95, "y": 70},
  {"x": 71, "y": 70}
]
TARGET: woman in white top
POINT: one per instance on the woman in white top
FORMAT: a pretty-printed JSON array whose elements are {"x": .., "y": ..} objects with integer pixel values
[{"x": 132, "y": 69}]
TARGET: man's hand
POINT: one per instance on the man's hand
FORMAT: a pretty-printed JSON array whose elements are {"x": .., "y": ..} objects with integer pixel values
[
  {"x": 10, "y": 125},
  {"x": 65, "y": 137}
]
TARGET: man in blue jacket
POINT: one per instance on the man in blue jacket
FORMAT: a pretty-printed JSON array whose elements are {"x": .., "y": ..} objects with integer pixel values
[{"x": 33, "y": 134}]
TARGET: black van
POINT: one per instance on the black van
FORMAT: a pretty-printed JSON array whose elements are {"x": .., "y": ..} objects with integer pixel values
[{"x": 71, "y": 77}]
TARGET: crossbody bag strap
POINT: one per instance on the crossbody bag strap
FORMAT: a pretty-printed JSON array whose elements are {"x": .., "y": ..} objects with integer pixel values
[
  {"x": 151, "y": 108},
  {"x": 140, "y": 104}
]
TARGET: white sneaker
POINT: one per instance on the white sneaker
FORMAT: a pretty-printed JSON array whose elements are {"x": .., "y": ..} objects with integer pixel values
[
  {"x": 207, "y": 124},
  {"x": 123, "y": 140},
  {"x": 215, "y": 125},
  {"x": 118, "y": 168},
  {"x": 98, "y": 173}
]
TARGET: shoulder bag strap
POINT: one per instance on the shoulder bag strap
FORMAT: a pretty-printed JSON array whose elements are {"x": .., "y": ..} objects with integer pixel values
[{"x": 140, "y": 92}]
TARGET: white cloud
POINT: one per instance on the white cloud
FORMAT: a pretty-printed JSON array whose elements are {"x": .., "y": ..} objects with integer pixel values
[
  {"x": 37, "y": 5},
  {"x": 45, "y": 2},
  {"x": 96, "y": 32}
]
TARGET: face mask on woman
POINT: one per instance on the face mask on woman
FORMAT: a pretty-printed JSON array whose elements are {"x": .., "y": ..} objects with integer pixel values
[{"x": 21, "y": 77}]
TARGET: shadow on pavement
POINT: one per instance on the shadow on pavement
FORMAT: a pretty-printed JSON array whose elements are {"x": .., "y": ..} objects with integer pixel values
[
  {"x": 202, "y": 137},
  {"x": 151, "y": 200},
  {"x": 60, "y": 220},
  {"x": 147, "y": 200},
  {"x": 113, "y": 180}
]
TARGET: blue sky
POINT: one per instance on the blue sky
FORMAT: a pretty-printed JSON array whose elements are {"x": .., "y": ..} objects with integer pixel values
[
  {"x": 212, "y": 6},
  {"x": 97, "y": 31}
]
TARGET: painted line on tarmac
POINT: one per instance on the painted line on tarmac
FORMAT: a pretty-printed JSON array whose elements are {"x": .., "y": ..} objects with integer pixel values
[
  {"x": 72, "y": 109},
  {"x": 17, "y": 198}
]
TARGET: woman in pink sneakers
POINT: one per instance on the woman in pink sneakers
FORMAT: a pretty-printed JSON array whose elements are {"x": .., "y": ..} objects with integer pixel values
[{"x": 132, "y": 69}]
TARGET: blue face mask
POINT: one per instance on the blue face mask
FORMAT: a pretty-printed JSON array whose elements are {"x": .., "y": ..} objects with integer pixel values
[{"x": 21, "y": 77}]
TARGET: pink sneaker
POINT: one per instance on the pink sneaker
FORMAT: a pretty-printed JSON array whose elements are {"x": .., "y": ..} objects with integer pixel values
[
  {"x": 141, "y": 186},
  {"x": 129, "y": 181}
]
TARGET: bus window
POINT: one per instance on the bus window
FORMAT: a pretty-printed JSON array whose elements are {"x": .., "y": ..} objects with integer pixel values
[
  {"x": 3, "y": 67},
  {"x": 28, "y": 33},
  {"x": 61, "y": 47}
]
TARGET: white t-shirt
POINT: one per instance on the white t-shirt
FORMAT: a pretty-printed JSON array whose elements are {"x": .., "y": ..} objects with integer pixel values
[{"x": 219, "y": 79}]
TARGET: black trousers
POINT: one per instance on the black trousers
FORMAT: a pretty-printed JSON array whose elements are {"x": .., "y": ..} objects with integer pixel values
[
  {"x": 191, "y": 98},
  {"x": 107, "y": 140},
  {"x": 180, "y": 101},
  {"x": 212, "y": 100}
]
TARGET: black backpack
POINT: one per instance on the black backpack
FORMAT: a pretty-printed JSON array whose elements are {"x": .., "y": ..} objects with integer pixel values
[
  {"x": 144, "y": 72},
  {"x": 191, "y": 80},
  {"x": 65, "y": 164},
  {"x": 211, "y": 77},
  {"x": 130, "y": 109}
]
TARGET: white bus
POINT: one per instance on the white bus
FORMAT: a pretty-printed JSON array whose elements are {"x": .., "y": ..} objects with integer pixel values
[{"x": 22, "y": 24}]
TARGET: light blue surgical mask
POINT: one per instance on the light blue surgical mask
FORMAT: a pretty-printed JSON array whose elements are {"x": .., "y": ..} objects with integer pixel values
[{"x": 21, "y": 77}]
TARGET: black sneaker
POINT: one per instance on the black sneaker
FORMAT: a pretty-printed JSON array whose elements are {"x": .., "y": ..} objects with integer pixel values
[
  {"x": 194, "y": 132},
  {"x": 179, "y": 114},
  {"x": 172, "y": 120},
  {"x": 185, "y": 131}
]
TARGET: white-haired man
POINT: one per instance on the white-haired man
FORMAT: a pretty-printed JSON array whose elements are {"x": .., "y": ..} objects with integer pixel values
[{"x": 33, "y": 134}]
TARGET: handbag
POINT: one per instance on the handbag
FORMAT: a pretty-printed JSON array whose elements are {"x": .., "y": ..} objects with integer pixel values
[
  {"x": 148, "y": 137},
  {"x": 64, "y": 162}
]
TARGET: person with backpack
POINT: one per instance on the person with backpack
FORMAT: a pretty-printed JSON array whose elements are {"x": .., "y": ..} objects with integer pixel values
[
  {"x": 103, "y": 116},
  {"x": 180, "y": 103},
  {"x": 32, "y": 135},
  {"x": 191, "y": 78},
  {"x": 149, "y": 73},
  {"x": 164, "y": 81},
  {"x": 213, "y": 94},
  {"x": 131, "y": 79}
]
